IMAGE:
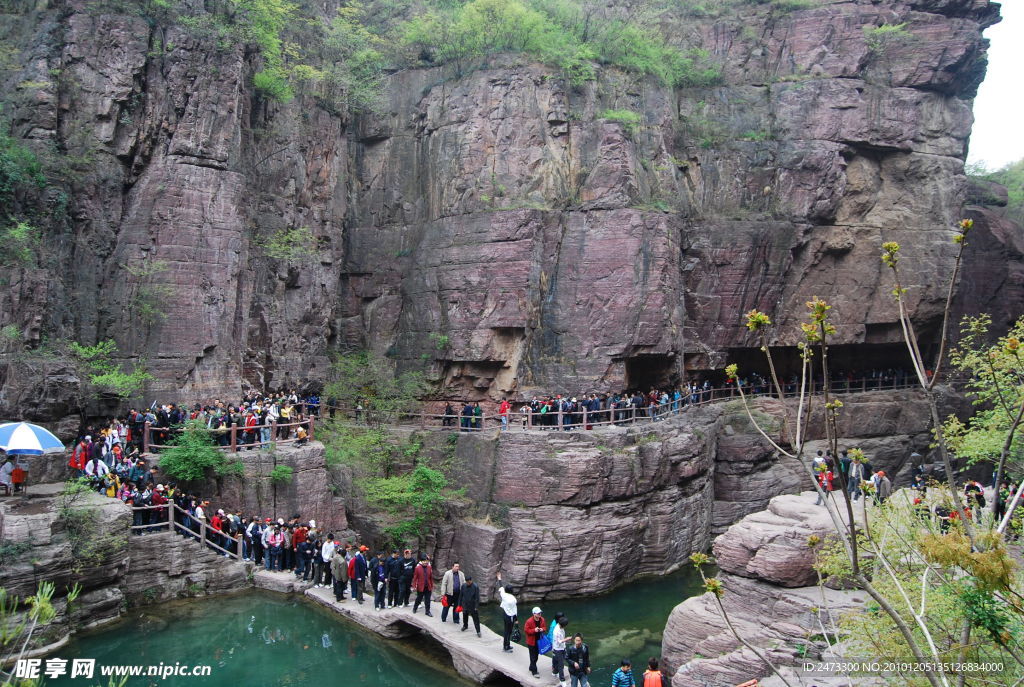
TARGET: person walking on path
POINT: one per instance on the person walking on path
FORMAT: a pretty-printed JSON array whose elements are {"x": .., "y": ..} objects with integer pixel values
[
  {"x": 378, "y": 578},
  {"x": 577, "y": 657},
  {"x": 558, "y": 648},
  {"x": 509, "y": 614},
  {"x": 535, "y": 627},
  {"x": 468, "y": 600},
  {"x": 451, "y": 585},
  {"x": 423, "y": 583},
  {"x": 623, "y": 677}
]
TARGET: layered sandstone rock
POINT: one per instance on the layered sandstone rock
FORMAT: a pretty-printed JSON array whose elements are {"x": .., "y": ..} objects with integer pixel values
[
  {"x": 545, "y": 246},
  {"x": 771, "y": 598}
]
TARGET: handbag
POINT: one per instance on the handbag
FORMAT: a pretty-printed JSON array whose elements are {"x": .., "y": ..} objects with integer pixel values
[
  {"x": 516, "y": 635},
  {"x": 543, "y": 644},
  {"x": 458, "y": 609},
  {"x": 444, "y": 601}
]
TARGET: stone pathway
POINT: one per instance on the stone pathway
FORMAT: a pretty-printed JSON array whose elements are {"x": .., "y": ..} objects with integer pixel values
[{"x": 479, "y": 659}]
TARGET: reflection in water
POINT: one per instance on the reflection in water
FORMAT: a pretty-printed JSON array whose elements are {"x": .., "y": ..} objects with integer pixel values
[{"x": 254, "y": 640}]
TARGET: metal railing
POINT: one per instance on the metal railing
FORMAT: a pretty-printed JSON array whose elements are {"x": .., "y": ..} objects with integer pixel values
[{"x": 204, "y": 535}]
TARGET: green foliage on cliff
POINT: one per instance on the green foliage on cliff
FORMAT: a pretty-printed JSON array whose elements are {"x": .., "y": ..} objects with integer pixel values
[
  {"x": 629, "y": 120},
  {"x": 281, "y": 474},
  {"x": 105, "y": 373},
  {"x": 414, "y": 500},
  {"x": 573, "y": 35},
  {"x": 19, "y": 245},
  {"x": 290, "y": 245},
  {"x": 880, "y": 39},
  {"x": 368, "y": 381}
]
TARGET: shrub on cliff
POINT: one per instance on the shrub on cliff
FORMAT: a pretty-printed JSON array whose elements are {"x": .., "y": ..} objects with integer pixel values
[{"x": 193, "y": 456}]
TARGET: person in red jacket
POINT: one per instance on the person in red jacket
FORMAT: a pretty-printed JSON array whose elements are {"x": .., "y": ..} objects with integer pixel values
[
  {"x": 423, "y": 583},
  {"x": 79, "y": 456},
  {"x": 535, "y": 627}
]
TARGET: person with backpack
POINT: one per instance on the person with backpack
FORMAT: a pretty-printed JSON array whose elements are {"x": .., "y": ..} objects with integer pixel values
[{"x": 577, "y": 658}]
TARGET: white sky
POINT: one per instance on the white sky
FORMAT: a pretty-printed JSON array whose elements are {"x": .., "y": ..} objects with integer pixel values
[{"x": 998, "y": 135}]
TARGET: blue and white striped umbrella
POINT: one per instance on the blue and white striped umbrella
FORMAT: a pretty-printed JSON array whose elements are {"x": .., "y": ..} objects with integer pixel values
[{"x": 32, "y": 440}]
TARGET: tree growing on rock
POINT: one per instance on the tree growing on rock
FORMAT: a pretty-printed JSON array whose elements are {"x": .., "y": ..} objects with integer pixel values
[{"x": 943, "y": 591}]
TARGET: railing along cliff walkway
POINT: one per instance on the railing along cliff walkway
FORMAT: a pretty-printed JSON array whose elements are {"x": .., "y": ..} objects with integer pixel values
[{"x": 235, "y": 438}]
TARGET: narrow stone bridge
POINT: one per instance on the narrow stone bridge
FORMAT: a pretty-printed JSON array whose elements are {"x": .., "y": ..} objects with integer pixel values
[{"x": 479, "y": 659}]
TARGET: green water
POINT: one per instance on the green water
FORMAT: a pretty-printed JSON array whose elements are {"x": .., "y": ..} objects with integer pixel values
[
  {"x": 254, "y": 640},
  {"x": 626, "y": 623}
]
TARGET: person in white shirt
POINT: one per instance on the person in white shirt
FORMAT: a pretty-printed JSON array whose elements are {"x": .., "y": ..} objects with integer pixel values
[
  {"x": 510, "y": 614},
  {"x": 558, "y": 648},
  {"x": 96, "y": 468},
  {"x": 326, "y": 554}
]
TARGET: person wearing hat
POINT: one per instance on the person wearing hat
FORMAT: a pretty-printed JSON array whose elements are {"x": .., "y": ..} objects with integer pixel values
[
  {"x": 423, "y": 583},
  {"x": 535, "y": 627},
  {"x": 469, "y": 601}
]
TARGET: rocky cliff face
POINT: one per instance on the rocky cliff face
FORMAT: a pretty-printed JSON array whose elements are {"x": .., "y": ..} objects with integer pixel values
[{"x": 545, "y": 245}]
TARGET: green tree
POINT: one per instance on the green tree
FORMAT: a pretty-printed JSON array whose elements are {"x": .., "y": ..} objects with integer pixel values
[
  {"x": 107, "y": 375},
  {"x": 1012, "y": 177},
  {"x": 369, "y": 381},
  {"x": 193, "y": 456},
  {"x": 414, "y": 501}
]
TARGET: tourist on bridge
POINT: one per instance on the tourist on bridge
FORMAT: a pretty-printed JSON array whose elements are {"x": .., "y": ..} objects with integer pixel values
[
  {"x": 535, "y": 627},
  {"x": 378, "y": 578},
  {"x": 423, "y": 583},
  {"x": 509, "y": 614},
  {"x": 326, "y": 554},
  {"x": 468, "y": 599},
  {"x": 451, "y": 585},
  {"x": 394, "y": 578},
  {"x": 558, "y": 648},
  {"x": 408, "y": 571},
  {"x": 577, "y": 657}
]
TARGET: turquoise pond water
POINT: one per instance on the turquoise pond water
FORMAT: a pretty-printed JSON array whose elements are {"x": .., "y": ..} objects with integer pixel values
[
  {"x": 255, "y": 640},
  {"x": 259, "y": 639}
]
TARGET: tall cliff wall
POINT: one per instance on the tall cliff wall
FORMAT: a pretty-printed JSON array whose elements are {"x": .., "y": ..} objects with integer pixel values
[{"x": 545, "y": 246}]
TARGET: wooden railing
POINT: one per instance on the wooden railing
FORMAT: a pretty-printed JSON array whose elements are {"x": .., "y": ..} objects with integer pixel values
[
  {"x": 203, "y": 534},
  {"x": 589, "y": 419},
  {"x": 530, "y": 420},
  {"x": 232, "y": 434}
]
